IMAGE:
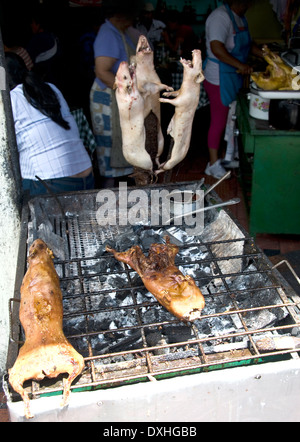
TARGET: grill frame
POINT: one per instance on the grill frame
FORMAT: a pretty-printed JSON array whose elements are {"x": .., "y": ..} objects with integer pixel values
[{"x": 146, "y": 362}]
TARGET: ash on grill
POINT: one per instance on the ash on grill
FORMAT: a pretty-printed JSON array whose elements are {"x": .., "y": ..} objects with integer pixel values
[{"x": 119, "y": 327}]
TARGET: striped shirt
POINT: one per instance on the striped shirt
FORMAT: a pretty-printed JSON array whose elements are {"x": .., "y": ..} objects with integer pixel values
[{"x": 45, "y": 148}]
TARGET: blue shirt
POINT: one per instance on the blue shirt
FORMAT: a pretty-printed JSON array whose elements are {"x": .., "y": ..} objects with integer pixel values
[{"x": 109, "y": 43}]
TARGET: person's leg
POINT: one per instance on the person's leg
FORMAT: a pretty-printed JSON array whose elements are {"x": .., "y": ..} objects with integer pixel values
[
  {"x": 33, "y": 187},
  {"x": 218, "y": 115},
  {"x": 218, "y": 119}
]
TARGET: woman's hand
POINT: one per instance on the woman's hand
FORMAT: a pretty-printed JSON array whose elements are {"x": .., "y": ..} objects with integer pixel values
[{"x": 244, "y": 69}]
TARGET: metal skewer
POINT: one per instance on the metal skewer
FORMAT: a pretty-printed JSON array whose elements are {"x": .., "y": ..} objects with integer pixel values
[
  {"x": 202, "y": 209},
  {"x": 227, "y": 175}
]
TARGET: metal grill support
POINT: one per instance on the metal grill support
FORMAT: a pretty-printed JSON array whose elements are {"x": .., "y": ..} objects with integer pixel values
[{"x": 124, "y": 334}]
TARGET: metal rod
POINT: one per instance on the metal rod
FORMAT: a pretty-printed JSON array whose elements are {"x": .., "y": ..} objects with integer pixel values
[
  {"x": 195, "y": 341},
  {"x": 203, "y": 209},
  {"x": 138, "y": 377},
  {"x": 290, "y": 268},
  {"x": 227, "y": 175}
]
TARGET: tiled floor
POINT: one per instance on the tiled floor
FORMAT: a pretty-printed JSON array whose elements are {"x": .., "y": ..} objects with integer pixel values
[
  {"x": 192, "y": 168},
  {"x": 4, "y": 416}
]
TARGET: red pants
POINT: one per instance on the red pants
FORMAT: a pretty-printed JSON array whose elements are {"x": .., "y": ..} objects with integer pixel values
[{"x": 218, "y": 115}]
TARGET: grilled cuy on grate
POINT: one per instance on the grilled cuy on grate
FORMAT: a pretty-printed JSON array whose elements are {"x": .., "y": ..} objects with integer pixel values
[
  {"x": 179, "y": 294},
  {"x": 46, "y": 351}
]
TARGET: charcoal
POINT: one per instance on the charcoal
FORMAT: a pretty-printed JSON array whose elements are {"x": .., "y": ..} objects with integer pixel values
[
  {"x": 156, "y": 338},
  {"x": 217, "y": 326},
  {"x": 116, "y": 281},
  {"x": 106, "y": 265},
  {"x": 72, "y": 305},
  {"x": 177, "y": 333},
  {"x": 101, "y": 250},
  {"x": 254, "y": 294},
  {"x": 148, "y": 237},
  {"x": 125, "y": 242},
  {"x": 192, "y": 254},
  {"x": 196, "y": 272},
  {"x": 75, "y": 325},
  {"x": 155, "y": 314}
]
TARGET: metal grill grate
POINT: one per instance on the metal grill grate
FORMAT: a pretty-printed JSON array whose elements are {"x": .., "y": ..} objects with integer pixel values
[{"x": 124, "y": 334}]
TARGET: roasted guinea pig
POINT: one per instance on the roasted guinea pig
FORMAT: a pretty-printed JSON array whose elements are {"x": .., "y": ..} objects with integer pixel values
[
  {"x": 176, "y": 292},
  {"x": 278, "y": 75},
  {"x": 185, "y": 100},
  {"x": 46, "y": 351}
]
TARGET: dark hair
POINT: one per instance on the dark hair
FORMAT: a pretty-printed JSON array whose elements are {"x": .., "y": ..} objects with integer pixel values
[{"x": 38, "y": 93}]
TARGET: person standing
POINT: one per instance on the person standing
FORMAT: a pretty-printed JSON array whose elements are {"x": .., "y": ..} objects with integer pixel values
[
  {"x": 115, "y": 42},
  {"x": 150, "y": 26},
  {"x": 45, "y": 49},
  {"x": 228, "y": 44},
  {"x": 49, "y": 145}
]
